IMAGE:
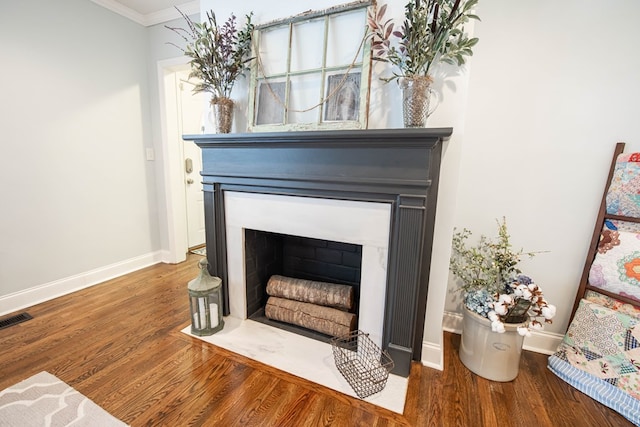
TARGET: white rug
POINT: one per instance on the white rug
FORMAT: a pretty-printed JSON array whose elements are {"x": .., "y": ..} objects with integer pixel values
[
  {"x": 200, "y": 251},
  {"x": 300, "y": 356},
  {"x": 44, "y": 400}
]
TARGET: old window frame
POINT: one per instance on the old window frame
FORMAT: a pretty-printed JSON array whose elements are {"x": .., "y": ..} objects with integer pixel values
[{"x": 342, "y": 97}]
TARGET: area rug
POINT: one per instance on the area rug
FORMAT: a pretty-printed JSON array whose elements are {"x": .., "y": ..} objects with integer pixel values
[
  {"x": 200, "y": 251},
  {"x": 300, "y": 356},
  {"x": 44, "y": 400}
]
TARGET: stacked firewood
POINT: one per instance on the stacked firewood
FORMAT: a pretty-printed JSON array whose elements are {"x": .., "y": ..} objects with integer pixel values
[{"x": 319, "y": 306}]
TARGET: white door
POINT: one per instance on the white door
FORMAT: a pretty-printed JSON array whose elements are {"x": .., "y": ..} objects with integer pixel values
[{"x": 190, "y": 112}]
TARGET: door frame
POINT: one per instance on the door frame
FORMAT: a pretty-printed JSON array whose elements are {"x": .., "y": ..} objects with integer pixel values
[{"x": 175, "y": 192}]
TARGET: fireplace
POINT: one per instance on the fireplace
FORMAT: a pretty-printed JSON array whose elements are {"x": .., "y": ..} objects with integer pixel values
[
  {"x": 371, "y": 188},
  {"x": 273, "y": 256}
]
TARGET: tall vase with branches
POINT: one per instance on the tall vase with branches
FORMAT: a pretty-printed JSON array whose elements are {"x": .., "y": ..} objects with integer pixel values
[
  {"x": 219, "y": 55},
  {"x": 433, "y": 31}
]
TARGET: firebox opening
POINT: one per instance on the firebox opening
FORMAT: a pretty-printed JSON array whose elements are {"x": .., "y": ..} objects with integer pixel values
[{"x": 268, "y": 254}]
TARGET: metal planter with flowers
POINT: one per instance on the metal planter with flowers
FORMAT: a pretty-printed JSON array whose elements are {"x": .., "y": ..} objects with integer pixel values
[{"x": 501, "y": 305}]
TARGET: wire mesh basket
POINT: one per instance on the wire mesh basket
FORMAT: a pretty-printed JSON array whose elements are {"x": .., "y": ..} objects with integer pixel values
[{"x": 362, "y": 363}]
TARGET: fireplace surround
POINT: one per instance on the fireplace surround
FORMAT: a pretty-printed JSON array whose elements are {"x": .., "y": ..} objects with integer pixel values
[
  {"x": 343, "y": 221},
  {"x": 393, "y": 168}
]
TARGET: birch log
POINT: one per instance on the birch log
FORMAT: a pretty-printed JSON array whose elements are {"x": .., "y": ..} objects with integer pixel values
[
  {"x": 327, "y": 320},
  {"x": 319, "y": 293}
]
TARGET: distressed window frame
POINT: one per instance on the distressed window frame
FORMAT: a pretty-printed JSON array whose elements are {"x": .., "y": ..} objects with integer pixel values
[{"x": 263, "y": 106}]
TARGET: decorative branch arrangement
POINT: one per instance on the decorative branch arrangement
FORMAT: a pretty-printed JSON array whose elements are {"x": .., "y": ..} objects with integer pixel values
[
  {"x": 493, "y": 285},
  {"x": 219, "y": 54},
  {"x": 432, "y": 32}
]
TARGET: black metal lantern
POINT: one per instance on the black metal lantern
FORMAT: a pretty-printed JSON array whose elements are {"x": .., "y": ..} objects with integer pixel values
[{"x": 205, "y": 300}]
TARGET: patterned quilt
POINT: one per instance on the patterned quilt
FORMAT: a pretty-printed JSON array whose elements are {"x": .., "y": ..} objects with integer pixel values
[
  {"x": 616, "y": 267},
  {"x": 600, "y": 356},
  {"x": 623, "y": 196}
]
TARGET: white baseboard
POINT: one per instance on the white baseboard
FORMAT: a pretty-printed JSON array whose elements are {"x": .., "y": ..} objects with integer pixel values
[
  {"x": 41, "y": 293},
  {"x": 452, "y": 322},
  {"x": 168, "y": 257},
  {"x": 539, "y": 341},
  {"x": 432, "y": 356}
]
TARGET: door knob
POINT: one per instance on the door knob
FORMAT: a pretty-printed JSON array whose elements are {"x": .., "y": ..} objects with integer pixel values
[{"x": 189, "y": 181}]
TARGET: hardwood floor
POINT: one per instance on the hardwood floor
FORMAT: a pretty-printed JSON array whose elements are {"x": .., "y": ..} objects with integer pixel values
[{"x": 119, "y": 343}]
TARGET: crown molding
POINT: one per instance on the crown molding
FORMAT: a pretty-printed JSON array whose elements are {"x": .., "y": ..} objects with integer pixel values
[
  {"x": 190, "y": 8},
  {"x": 164, "y": 15}
]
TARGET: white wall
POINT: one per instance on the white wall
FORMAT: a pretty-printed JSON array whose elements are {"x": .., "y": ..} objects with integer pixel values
[
  {"x": 553, "y": 87},
  {"x": 77, "y": 193}
]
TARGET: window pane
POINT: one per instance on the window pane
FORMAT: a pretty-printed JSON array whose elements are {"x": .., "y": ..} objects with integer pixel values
[
  {"x": 271, "y": 101},
  {"x": 305, "y": 93},
  {"x": 273, "y": 50},
  {"x": 307, "y": 45},
  {"x": 344, "y": 38},
  {"x": 343, "y": 93}
]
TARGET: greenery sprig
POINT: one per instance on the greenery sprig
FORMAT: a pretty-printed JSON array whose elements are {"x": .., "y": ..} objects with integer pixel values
[
  {"x": 219, "y": 54},
  {"x": 493, "y": 286},
  {"x": 489, "y": 265},
  {"x": 432, "y": 32}
]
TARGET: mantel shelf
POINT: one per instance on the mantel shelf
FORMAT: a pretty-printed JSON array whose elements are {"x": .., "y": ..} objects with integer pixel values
[{"x": 353, "y": 137}]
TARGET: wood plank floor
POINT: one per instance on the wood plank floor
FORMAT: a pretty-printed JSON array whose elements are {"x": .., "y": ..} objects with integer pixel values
[{"x": 120, "y": 344}]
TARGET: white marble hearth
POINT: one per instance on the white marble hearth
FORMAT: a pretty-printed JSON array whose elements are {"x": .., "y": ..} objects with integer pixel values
[
  {"x": 300, "y": 356},
  {"x": 356, "y": 222}
]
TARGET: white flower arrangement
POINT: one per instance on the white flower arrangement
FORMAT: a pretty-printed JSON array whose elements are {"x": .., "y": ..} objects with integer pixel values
[
  {"x": 539, "y": 310},
  {"x": 493, "y": 285}
]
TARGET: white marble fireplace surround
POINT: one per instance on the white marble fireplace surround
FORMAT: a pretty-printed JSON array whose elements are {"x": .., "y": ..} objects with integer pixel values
[{"x": 362, "y": 223}]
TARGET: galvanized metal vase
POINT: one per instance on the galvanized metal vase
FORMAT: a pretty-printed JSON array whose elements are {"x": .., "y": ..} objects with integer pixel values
[
  {"x": 416, "y": 97},
  {"x": 223, "y": 113}
]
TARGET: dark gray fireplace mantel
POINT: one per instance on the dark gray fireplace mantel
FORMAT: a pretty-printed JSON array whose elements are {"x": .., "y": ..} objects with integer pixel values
[{"x": 396, "y": 166}]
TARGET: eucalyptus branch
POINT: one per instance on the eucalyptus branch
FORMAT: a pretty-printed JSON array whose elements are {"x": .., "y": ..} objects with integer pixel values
[
  {"x": 487, "y": 266},
  {"x": 432, "y": 32}
]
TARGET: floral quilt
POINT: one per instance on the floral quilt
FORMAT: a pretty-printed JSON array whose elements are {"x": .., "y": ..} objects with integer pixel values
[
  {"x": 600, "y": 356},
  {"x": 623, "y": 195},
  {"x": 613, "y": 304},
  {"x": 616, "y": 267}
]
